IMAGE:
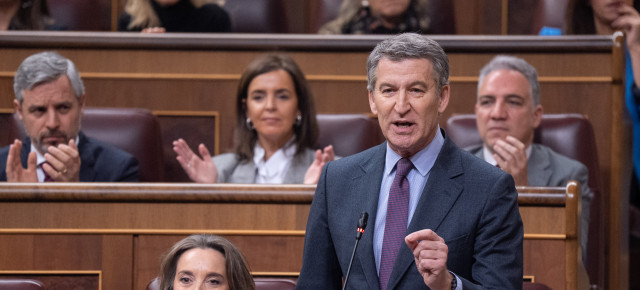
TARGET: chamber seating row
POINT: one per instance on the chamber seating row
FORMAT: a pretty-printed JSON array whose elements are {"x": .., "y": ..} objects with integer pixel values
[
  {"x": 282, "y": 16},
  {"x": 148, "y": 135}
]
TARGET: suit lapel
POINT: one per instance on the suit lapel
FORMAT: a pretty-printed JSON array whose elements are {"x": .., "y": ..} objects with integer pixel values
[
  {"x": 538, "y": 167},
  {"x": 439, "y": 194},
  {"x": 368, "y": 185},
  {"x": 87, "y": 166},
  {"x": 245, "y": 172}
]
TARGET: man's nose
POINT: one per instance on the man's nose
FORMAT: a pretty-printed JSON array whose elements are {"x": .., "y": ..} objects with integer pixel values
[
  {"x": 402, "y": 102},
  {"x": 499, "y": 111},
  {"x": 53, "y": 120}
]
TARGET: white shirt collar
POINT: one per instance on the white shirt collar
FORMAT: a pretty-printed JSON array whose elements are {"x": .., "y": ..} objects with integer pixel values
[{"x": 274, "y": 169}]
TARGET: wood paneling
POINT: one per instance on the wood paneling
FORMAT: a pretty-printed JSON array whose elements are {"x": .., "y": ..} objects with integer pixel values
[
  {"x": 578, "y": 74},
  {"x": 122, "y": 230}
]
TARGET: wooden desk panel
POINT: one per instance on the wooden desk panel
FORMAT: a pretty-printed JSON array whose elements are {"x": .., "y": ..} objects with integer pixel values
[{"x": 123, "y": 229}]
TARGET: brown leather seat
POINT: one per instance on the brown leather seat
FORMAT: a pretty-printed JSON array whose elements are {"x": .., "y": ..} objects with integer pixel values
[
  {"x": 133, "y": 130},
  {"x": 82, "y": 15},
  {"x": 534, "y": 286},
  {"x": 20, "y": 284},
  {"x": 528, "y": 17},
  {"x": 257, "y": 16},
  {"x": 261, "y": 284},
  {"x": 348, "y": 133},
  {"x": 571, "y": 135}
]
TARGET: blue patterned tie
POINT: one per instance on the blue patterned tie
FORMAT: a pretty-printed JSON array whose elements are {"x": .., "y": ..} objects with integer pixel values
[{"x": 395, "y": 227}]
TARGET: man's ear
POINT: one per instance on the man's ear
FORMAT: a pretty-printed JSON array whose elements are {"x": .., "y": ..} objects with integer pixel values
[
  {"x": 372, "y": 104},
  {"x": 444, "y": 98},
  {"x": 82, "y": 101},
  {"x": 537, "y": 115},
  {"x": 17, "y": 107}
]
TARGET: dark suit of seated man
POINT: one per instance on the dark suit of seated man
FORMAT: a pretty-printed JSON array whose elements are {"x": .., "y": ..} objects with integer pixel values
[
  {"x": 49, "y": 98},
  {"x": 440, "y": 217}
]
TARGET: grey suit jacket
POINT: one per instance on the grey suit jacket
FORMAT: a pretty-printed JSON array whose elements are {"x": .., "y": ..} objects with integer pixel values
[
  {"x": 231, "y": 170},
  {"x": 472, "y": 205},
  {"x": 546, "y": 167}
]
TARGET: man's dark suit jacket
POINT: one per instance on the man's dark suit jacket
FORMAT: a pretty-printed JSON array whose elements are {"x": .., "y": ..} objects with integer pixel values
[
  {"x": 100, "y": 162},
  {"x": 472, "y": 205}
]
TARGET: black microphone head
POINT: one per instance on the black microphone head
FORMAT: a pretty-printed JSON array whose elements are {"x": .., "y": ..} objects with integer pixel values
[{"x": 362, "y": 222}]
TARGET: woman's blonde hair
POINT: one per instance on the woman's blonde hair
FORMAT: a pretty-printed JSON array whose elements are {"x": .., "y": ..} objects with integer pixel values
[{"x": 143, "y": 16}]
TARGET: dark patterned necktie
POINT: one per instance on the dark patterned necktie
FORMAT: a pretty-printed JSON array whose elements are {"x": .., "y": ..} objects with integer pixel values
[
  {"x": 395, "y": 227},
  {"x": 47, "y": 178}
]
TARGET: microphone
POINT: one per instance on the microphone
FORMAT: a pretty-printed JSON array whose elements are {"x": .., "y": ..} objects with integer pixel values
[{"x": 362, "y": 224}]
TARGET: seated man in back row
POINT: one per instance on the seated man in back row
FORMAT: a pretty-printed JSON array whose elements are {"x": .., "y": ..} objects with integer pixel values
[
  {"x": 508, "y": 111},
  {"x": 49, "y": 98}
]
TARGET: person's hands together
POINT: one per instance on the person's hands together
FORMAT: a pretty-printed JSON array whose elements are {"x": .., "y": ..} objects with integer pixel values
[
  {"x": 511, "y": 155},
  {"x": 15, "y": 171},
  {"x": 430, "y": 254},
  {"x": 315, "y": 169},
  {"x": 201, "y": 168},
  {"x": 63, "y": 162}
]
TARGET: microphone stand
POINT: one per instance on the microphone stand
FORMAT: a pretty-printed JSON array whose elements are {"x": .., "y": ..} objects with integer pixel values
[{"x": 362, "y": 224}]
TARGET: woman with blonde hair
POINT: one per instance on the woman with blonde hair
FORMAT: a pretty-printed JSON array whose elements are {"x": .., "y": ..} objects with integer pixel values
[{"x": 174, "y": 16}]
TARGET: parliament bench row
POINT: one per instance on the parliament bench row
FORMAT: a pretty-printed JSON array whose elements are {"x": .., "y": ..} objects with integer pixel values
[
  {"x": 286, "y": 16},
  {"x": 112, "y": 235}
]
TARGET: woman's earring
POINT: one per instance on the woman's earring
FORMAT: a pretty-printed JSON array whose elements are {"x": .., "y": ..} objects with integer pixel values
[
  {"x": 249, "y": 124},
  {"x": 298, "y": 120}
]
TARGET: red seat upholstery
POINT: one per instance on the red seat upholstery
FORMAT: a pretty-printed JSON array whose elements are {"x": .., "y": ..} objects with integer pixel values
[
  {"x": 348, "y": 133},
  {"x": 261, "y": 284},
  {"x": 571, "y": 135},
  {"x": 257, "y": 16},
  {"x": 133, "y": 130},
  {"x": 20, "y": 284}
]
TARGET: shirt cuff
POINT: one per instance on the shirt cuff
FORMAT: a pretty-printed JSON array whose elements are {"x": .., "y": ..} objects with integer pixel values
[{"x": 458, "y": 281}]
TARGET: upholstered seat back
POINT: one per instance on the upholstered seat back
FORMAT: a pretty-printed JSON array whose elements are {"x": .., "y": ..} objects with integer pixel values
[
  {"x": 20, "y": 284},
  {"x": 257, "y": 16},
  {"x": 570, "y": 135},
  {"x": 348, "y": 133},
  {"x": 133, "y": 130}
]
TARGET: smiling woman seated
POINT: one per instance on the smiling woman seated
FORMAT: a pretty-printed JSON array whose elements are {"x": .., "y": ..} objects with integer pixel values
[{"x": 275, "y": 131}]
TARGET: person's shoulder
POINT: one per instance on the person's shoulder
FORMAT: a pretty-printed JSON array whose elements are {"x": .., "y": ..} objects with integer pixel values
[
  {"x": 4, "y": 153},
  {"x": 217, "y": 17},
  {"x": 473, "y": 149},
  {"x": 101, "y": 149},
  {"x": 556, "y": 157},
  {"x": 226, "y": 160}
]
